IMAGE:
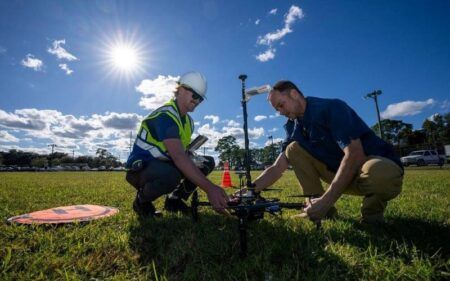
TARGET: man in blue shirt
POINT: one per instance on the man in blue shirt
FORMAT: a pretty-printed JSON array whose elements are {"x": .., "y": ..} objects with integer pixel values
[
  {"x": 159, "y": 163},
  {"x": 326, "y": 140}
]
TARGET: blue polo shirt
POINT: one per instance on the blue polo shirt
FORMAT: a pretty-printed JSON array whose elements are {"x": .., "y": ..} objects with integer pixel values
[
  {"x": 328, "y": 126},
  {"x": 161, "y": 128}
]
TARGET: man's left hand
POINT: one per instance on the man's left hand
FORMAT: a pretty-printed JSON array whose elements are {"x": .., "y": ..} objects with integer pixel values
[{"x": 317, "y": 209}]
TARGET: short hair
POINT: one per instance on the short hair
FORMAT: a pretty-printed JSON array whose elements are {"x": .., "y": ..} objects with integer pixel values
[{"x": 284, "y": 85}]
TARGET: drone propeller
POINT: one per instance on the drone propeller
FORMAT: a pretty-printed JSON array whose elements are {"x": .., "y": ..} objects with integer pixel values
[
  {"x": 272, "y": 189},
  {"x": 305, "y": 195}
]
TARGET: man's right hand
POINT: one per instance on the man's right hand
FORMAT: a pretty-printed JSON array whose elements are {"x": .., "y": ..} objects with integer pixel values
[{"x": 218, "y": 199}]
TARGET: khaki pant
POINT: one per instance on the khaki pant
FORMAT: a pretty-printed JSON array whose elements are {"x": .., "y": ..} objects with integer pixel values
[{"x": 378, "y": 180}]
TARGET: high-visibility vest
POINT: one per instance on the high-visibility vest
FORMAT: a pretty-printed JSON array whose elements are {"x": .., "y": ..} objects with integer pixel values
[{"x": 157, "y": 149}]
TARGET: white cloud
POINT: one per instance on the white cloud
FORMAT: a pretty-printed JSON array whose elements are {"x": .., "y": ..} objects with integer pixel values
[
  {"x": 64, "y": 67},
  {"x": 445, "y": 105},
  {"x": 294, "y": 14},
  {"x": 405, "y": 108},
  {"x": 19, "y": 121},
  {"x": 60, "y": 52},
  {"x": 257, "y": 21},
  {"x": 273, "y": 11},
  {"x": 273, "y": 130},
  {"x": 6, "y": 137},
  {"x": 267, "y": 55},
  {"x": 275, "y": 140},
  {"x": 2, "y": 50},
  {"x": 120, "y": 121},
  {"x": 233, "y": 123},
  {"x": 431, "y": 118},
  {"x": 214, "y": 118},
  {"x": 256, "y": 133},
  {"x": 31, "y": 62},
  {"x": 260, "y": 117},
  {"x": 276, "y": 115},
  {"x": 69, "y": 132},
  {"x": 157, "y": 91}
]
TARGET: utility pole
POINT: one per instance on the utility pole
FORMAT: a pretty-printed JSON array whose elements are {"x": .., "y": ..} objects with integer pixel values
[
  {"x": 52, "y": 146},
  {"x": 73, "y": 153},
  {"x": 51, "y": 155},
  {"x": 374, "y": 95},
  {"x": 131, "y": 137},
  {"x": 272, "y": 148}
]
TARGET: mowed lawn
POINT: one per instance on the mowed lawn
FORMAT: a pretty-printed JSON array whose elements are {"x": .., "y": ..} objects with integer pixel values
[{"x": 414, "y": 244}]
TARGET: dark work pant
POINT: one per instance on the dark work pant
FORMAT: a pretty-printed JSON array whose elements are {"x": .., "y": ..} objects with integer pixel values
[{"x": 163, "y": 177}]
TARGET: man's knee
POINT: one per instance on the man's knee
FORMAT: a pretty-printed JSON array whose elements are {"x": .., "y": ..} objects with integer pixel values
[
  {"x": 133, "y": 179},
  {"x": 381, "y": 176},
  {"x": 294, "y": 153},
  {"x": 152, "y": 190}
]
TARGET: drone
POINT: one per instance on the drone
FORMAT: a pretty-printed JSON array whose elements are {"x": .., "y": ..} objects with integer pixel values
[{"x": 248, "y": 204}]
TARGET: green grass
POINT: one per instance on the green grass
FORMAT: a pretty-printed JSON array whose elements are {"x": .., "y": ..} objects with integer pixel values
[{"x": 413, "y": 245}]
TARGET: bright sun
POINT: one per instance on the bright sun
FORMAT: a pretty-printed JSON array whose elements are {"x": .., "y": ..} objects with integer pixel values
[{"x": 124, "y": 57}]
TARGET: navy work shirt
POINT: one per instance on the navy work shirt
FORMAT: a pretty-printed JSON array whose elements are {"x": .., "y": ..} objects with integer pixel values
[
  {"x": 161, "y": 128},
  {"x": 328, "y": 126}
]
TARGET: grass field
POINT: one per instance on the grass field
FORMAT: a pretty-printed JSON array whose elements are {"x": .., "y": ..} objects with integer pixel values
[{"x": 414, "y": 244}]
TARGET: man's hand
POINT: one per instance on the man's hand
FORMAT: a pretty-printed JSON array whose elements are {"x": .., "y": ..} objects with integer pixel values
[
  {"x": 218, "y": 199},
  {"x": 317, "y": 209},
  {"x": 239, "y": 192}
]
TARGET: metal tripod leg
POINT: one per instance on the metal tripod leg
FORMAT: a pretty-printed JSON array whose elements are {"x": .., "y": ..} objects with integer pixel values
[{"x": 243, "y": 236}]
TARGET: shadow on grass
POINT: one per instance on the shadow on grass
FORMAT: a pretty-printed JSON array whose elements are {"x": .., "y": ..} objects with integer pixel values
[
  {"x": 182, "y": 249},
  {"x": 428, "y": 237}
]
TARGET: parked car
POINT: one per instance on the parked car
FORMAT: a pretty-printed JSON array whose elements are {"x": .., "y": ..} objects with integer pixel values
[{"x": 423, "y": 158}]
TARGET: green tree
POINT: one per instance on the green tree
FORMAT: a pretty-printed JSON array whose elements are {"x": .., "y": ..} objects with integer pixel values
[
  {"x": 228, "y": 149},
  {"x": 39, "y": 162},
  {"x": 446, "y": 119},
  {"x": 19, "y": 158},
  {"x": 441, "y": 129},
  {"x": 392, "y": 130},
  {"x": 430, "y": 129}
]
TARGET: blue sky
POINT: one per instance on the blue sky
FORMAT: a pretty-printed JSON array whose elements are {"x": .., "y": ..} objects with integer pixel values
[{"x": 82, "y": 74}]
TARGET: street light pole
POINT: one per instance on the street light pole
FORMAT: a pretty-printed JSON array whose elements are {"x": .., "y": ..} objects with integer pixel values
[{"x": 374, "y": 95}]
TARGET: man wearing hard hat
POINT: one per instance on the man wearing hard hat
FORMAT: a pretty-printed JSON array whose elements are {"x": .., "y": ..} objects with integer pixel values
[{"x": 159, "y": 163}]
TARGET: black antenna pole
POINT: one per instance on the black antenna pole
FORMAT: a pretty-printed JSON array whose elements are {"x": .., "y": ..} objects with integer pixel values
[{"x": 242, "y": 77}]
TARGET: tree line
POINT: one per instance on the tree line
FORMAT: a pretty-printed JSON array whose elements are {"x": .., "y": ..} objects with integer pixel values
[
  {"x": 30, "y": 159},
  {"x": 434, "y": 134}
]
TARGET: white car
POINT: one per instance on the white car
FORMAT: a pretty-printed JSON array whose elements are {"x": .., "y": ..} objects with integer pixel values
[{"x": 422, "y": 158}]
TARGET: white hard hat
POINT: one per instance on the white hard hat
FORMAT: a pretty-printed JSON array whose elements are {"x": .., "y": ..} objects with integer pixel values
[{"x": 195, "y": 81}]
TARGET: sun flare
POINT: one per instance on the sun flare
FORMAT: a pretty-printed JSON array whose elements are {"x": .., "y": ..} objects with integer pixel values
[{"x": 124, "y": 57}]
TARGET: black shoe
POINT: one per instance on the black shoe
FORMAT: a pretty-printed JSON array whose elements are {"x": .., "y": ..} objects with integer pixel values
[
  {"x": 176, "y": 205},
  {"x": 145, "y": 210}
]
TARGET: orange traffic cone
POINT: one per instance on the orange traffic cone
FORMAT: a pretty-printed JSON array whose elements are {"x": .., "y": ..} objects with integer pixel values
[{"x": 226, "y": 178}]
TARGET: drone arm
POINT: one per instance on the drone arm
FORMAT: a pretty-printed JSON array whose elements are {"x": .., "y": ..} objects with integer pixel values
[
  {"x": 215, "y": 194},
  {"x": 272, "y": 174}
]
